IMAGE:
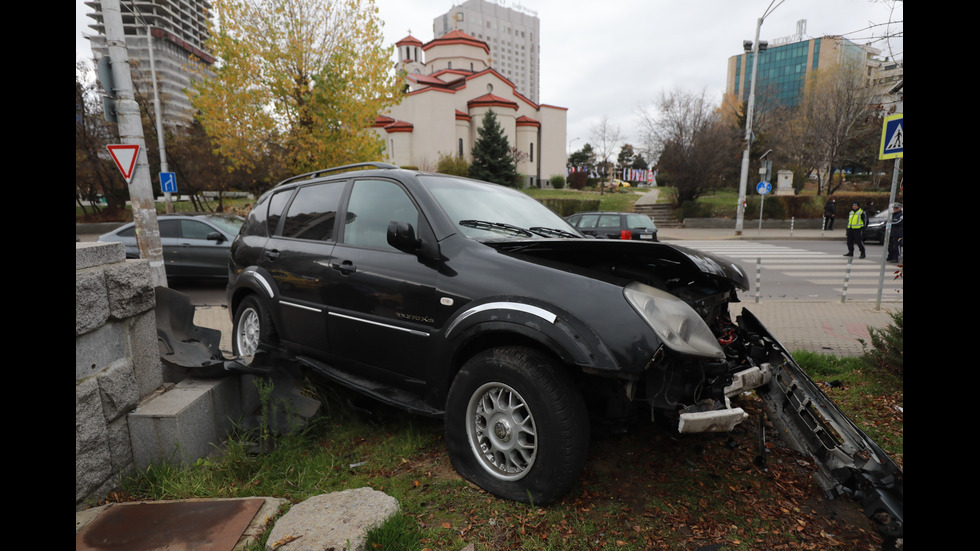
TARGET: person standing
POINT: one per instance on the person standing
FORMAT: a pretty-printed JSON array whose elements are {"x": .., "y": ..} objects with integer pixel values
[
  {"x": 829, "y": 212},
  {"x": 898, "y": 232},
  {"x": 856, "y": 222}
]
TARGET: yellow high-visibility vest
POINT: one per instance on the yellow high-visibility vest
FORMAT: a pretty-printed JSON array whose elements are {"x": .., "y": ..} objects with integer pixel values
[{"x": 855, "y": 220}]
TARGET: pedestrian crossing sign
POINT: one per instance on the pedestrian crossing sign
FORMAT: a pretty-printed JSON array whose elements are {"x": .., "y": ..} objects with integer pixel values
[{"x": 892, "y": 138}]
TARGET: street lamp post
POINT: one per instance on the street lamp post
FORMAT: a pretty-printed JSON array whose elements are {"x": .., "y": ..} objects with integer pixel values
[
  {"x": 756, "y": 48},
  {"x": 569, "y": 150}
]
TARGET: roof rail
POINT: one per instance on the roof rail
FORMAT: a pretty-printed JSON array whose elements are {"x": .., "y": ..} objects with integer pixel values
[{"x": 325, "y": 171}]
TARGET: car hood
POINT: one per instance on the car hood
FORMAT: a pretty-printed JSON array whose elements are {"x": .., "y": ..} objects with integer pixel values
[{"x": 627, "y": 260}]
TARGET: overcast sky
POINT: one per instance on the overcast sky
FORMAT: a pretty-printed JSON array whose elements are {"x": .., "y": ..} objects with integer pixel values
[{"x": 614, "y": 57}]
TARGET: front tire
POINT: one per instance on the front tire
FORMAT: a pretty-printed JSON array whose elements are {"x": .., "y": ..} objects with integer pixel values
[
  {"x": 516, "y": 425},
  {"x": 252, "y": 327}
]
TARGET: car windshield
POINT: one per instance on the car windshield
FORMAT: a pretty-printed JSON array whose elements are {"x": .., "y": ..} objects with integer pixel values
[
  {"x": 483, "y": 210},
  {"x": 228, "y": 224}
]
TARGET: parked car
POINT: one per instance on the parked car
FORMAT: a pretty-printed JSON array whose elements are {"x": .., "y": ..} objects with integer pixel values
[
  {"x": 615, "y": 225},
  {"x": 474, "y": 303},
  {"x": 875, "y": 231},
  {"x": 195, "y": 245}
]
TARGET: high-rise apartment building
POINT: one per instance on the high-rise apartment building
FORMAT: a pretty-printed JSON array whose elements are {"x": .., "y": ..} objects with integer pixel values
[
  {"x": 178, "y": 29},
  {"x": 513, "y": 35},
  {"x": 787, "y": 64}
]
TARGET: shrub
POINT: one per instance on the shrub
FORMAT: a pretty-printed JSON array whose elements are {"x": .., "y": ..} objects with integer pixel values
[
  {"x": 451, "y": 164},
  {"x": 694, "y": 209},
  {"x": 887, "y": 349},
  {"x": 578, "y": 180},
  {"x": 557, "y": 181},
  {"x": 568, "y": 207},
  {"x": 772, "y": 209}
]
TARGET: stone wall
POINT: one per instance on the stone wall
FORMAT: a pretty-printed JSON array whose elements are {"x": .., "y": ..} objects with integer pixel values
[{"x": 117, "y": 362}]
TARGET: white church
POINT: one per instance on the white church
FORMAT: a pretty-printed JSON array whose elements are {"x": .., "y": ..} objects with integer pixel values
[{"x": 449, "y": 91}]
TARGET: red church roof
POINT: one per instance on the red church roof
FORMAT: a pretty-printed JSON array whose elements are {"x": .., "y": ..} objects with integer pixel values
[
  {"x": 457, "y": 37},
  {"x": 409, "y": 41}
]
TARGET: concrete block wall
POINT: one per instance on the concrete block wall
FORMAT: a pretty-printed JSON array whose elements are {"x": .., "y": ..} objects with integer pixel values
[
  {"x": 117, "y": 362},
  {"x": 130, "y": 410}
]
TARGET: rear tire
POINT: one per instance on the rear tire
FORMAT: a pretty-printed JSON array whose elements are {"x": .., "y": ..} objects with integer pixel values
[
  {"x": 252, "y": 327},
  {"x": 516, "y": 425}
]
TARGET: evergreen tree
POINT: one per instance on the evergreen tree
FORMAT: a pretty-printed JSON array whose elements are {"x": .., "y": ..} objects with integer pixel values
[{"x": 492, "y": 161}]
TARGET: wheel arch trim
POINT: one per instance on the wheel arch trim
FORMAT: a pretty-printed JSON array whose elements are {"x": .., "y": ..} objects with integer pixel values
[{"x": 557, "y": 330}]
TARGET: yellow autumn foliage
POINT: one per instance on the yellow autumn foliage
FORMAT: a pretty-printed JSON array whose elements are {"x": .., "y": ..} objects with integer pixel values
[{"x": 300, "y": 81}]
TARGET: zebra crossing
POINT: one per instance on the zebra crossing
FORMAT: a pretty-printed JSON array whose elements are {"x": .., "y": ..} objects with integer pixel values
[{"x": 817, "y": 274}]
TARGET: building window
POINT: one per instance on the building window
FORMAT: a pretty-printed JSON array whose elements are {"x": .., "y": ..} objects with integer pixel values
[
  {"x": 532, "y": 152},
  {"x": 461, "y": 147}
]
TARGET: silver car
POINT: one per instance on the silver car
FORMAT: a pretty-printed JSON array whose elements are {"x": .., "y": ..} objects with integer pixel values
[{"x": 194, "y": 245}]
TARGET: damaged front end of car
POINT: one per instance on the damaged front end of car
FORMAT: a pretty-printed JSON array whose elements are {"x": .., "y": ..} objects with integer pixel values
[{"x": 707, "y": 358}]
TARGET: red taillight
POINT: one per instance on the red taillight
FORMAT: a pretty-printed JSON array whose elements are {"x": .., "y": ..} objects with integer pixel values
[{"x": 626, "y": 234}]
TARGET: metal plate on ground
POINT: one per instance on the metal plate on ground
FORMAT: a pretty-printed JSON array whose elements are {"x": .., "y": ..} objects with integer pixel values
[{"x": 212, "y": 525}]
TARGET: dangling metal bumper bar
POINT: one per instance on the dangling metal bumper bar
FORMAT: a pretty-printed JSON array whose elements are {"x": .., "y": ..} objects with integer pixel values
[{"x": 848, "y": 461}]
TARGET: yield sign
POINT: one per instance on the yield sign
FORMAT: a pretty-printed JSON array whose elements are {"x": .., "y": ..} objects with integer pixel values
[{"x": 125, "y": 158}]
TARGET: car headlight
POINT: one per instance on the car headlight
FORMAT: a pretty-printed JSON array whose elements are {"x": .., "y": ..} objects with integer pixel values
[{"x": 677, "y": 324}]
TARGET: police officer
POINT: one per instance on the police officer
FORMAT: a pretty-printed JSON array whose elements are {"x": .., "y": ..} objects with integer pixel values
[
  {"x": 856, "y": 222},
  {"x": 898, "y": 232}
]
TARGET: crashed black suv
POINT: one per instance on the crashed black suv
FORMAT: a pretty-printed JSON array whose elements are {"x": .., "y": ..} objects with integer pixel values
[{"x": 470, "y": 301}]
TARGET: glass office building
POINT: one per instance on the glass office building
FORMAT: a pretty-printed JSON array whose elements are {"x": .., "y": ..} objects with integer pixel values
[{"x": 785, "y": 68}]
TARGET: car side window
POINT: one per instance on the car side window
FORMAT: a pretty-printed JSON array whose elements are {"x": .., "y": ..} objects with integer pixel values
[
  {"x": 192, "y": 229},
  {"x": 313, "y": 212},
  {"x": 373, "y": 204},
  {"x": 588, "y": 221},
  {"x": 609, "y": 221},
  {"x": 169, "y": 228},
  {"x": 277, "y": 205}
]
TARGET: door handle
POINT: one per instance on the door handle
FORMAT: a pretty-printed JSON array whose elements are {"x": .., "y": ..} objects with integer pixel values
[
  {"x": 272, "y": 254},
  {"x": 346, "y": 267}
]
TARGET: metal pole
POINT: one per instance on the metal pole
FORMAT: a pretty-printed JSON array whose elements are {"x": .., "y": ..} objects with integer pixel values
[
  {"x": 131, "y": 133},
  {"x": 847, "y": 278},
  {"x": 758, "y": 278},
  {"x": 156, "y": 108},
  {"x": 744, "y": 176},
  {"x": 762, "y": 205},
  {"x": 792, "y": 222},
  {"x": 888, "y": 233}
]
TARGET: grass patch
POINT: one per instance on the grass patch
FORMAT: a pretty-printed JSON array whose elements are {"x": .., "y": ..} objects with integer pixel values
[{"x": 645, "y": 488}]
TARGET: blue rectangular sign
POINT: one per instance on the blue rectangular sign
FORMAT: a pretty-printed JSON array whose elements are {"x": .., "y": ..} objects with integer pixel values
[{"x": 168, "y": 182}]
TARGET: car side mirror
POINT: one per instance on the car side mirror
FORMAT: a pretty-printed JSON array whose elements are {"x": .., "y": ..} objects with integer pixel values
[
  {"x": 401, "y": 235},
  {"x": 215, "y": 236}
]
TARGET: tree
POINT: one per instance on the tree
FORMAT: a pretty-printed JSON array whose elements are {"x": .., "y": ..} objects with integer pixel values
[
  {"x": 492, "y": 161},
  {"x": 300, "y": 80},
  {"x": 606, "y": 137},
  {"x": 834, "y": 104},
  {"x": 95, "y": 173},
  {"x": 583, "y": 158},
  {"x": 697, "y": 148},
  {"x": 626, "y": 156}
]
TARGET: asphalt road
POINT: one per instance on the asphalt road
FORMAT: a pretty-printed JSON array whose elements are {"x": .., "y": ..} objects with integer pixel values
[{"x": 805, "y": 270}]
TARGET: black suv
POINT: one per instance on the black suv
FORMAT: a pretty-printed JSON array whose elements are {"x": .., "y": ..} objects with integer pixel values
[
  {"x": 615, "y": 225},
  {"x": 472, "y": 302}
]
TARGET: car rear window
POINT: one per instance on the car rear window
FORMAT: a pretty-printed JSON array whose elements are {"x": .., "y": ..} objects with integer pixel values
[{"x": 639, "y": 221}]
